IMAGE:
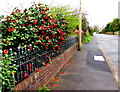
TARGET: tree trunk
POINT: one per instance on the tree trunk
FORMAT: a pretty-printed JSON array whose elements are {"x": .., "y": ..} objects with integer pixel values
[{"x": 113, "y": 32}]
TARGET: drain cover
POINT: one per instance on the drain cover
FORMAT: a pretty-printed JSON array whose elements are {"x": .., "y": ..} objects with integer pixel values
[{"x": 99, "y": 58}]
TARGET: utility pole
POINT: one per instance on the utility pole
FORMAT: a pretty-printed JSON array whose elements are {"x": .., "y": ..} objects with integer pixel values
[{"x": 80, "y": 29}]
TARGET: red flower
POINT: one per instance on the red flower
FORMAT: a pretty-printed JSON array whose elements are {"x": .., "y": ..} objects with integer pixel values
[
  {"x": 22, "y": 24},
  {"x": 43, "y": 61},
  {"x": 38, "y": 26},
  {"x": 43, "y": 43},
  {"x": 15, "y": 72},
  {"x": 30, "y": 24},
  {"x": 52, "y": 57},
  {"x": 55, "y": 77},
  {"x": 0, "y": 58},
  {"x": 46, "y": 55},
  {"x": 15, "y": 21},
  {"x": 46, "y": 28},
  {"x": 48, "y": 21},
  {"x": 63, "y": 73},
  {"x": 60, "y": 30},
  {"x": 37, "y": 59},
  {"x": 51, "y": 30},
  {"x": 37, "y": 34},
  {"x": 68, "y": 64},
  {"x": 63, "y": 38},
  {"x": 60, "y": 42},
  {"x": 35, "y": 30},
  {"x": 50, "y": 43},
  {"x": 46, "y": 17},
  {"x": 42, "y": 12},
  {"x": 58, "y": 46},
  {"x": 70, "y": 60},
  {"x": 41, "y": 38},
  {"x": 28, "y": 19},
  {"x": 47, "y": 64},
  {"x": 66, "y": 23},
  {"x": 7, "y": 20},
  {"x": 30, "y": 64},
  {"x": 25, "y": 75},
  {"x": 43, "y": 22},
  {"x": 37, "y": 42},
  {"x": 18, "y": 10},
  {"x": 37, "y": 70},
  {"x": 13, "y": 13},
  {"x": 51, "y": 15},
  {"x": 5, "y": 41},
  {"x": 52, "y": 84},
  {"x": 42, "y": 26},
  {"x": 43, "y": 32},
  {"x": 35, "y": 21},
  {"x": 47, "y": 8},
  {"x": 56, "y": 80},
  {"x": 52, "y": 20},
  {"x": 30, "y": 49},
  {"x": 50, "y": 60},
  {"x": 5, "y": 51},
  {"x": 50, "y": 26},
  {"x": 55, "y": 25}
]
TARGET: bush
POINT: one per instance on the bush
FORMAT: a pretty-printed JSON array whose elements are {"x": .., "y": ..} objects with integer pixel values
[
  {"x": 34, "y": 26},
  {"x": 87, "y": 37}
]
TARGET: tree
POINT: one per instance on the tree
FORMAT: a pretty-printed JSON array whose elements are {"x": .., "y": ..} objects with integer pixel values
[
  {"x": 113, "y": 26},
  {"x": 72, "y": 16},
  {"x": 85, "y": 23},
  {"x": 116, "y": 25}
]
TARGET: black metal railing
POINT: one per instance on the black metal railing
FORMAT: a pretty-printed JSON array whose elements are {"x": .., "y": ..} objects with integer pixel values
[{"x": 28, "y": 61}]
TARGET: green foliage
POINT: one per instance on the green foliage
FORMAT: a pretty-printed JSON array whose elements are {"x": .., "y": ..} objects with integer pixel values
[
  {"x": 88, "y": 31},
  {"x": 113, "y": 26},
  {"x": 43, "y": 89},
  {"x": 72, "y": 16},
  {"x": 91, "y": 30},
  {"x": 87, "y": 37},
  {"x": 8, "y": 69}
]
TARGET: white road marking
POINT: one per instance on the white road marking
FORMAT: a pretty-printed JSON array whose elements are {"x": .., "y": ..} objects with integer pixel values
[{"x": 99, "y": 58}]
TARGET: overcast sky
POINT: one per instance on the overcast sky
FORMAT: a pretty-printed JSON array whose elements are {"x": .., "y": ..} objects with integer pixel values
[{"x": 100, "y": 12}]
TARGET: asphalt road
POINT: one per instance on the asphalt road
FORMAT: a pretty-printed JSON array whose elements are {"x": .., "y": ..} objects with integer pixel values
[{"x": 109, "y": 44}]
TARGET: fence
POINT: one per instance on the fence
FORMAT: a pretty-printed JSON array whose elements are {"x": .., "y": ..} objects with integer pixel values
[{"x": 29, "y": 61}]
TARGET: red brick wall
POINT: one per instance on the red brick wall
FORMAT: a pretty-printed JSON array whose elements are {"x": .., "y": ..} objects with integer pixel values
[{"x": 37, "y": 79}]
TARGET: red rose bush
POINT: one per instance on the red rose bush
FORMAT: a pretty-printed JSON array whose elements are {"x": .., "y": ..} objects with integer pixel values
[{"x": 27, "y": 30}]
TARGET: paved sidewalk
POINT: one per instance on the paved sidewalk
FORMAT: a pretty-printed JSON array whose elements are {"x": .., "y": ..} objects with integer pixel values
[{"x": 85, "y": 73}]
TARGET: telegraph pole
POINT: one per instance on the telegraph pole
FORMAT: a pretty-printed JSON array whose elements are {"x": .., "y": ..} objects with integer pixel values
[{"x": 80, "y": 29}]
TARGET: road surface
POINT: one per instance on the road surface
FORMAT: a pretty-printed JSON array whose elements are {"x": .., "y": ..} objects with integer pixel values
[{"x": 109, "y": 46}]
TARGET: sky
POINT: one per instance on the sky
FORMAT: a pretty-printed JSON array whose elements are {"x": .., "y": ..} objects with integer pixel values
[{"x": 100, "y": 12}]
